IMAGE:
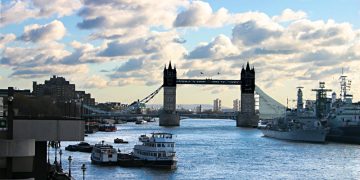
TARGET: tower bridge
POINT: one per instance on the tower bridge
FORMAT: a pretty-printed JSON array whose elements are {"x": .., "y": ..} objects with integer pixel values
[{"x": 246, "y": 117}]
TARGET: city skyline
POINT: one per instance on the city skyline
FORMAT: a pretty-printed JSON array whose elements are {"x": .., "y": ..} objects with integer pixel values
[{"x": 116, "y": 50}]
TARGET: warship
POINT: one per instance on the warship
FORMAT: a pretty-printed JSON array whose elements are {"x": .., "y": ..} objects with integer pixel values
[
  {"x": 343, "y": 115},
  {"x": 297, "y": 125}
]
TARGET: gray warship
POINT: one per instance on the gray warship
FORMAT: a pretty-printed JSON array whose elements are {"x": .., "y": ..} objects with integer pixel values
[
  {"x": 343, "y": 115},
  {"x": 297, "y": 125}
]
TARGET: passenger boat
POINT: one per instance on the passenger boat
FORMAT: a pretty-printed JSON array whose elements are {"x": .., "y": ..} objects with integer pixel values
[
  {"x": 120, "y": 141},
  {"x": 157, "y": 151},
  {"x": 82, "y": 147},
  {"x": 107, "y": 127},
  {"x": 104, "y": 154}
]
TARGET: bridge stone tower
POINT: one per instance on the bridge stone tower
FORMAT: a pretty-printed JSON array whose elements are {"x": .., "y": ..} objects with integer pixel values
[
  {"x": 247, "y": 116},
  {"x": 169, "y": 116}
]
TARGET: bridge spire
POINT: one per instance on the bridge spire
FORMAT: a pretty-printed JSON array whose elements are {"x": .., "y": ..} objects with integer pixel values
[{"x": 170, "y": 65}]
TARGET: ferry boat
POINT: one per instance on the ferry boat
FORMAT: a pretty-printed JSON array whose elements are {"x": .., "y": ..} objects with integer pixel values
[
  {"x": 104, "y": 154},
  {"x": 107, "y": 127},
  {"x": 297, "y": 125},
  {"x": 157, "y": 151}
]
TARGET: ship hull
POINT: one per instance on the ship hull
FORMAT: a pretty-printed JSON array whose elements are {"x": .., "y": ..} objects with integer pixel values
[
  {"x": 131, "y": 161},
  {"x": 348, "y": 134},
  {"x": 317, "y": 136}
]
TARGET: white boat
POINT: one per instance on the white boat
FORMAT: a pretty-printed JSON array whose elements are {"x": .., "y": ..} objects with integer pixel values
[
  {"x": 155, "y": 151},
  {"x": 103, "y": 154},
  {"x": 140, "y": 121}
]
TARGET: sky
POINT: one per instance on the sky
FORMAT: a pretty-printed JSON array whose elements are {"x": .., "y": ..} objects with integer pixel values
[{"x": 117, "y": 49}]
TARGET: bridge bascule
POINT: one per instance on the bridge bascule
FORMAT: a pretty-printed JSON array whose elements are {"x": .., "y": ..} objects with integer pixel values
[{"x": 246, "y": 117}]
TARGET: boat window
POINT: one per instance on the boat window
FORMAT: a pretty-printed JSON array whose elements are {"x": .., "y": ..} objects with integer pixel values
[
  {"x": 159, "y": 145},
  {"x": 163, "y": 145}
]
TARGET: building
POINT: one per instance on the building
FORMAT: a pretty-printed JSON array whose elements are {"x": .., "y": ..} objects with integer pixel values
[
  {"x": 198, "y": 109},
  {"x": 217, "y": 105},
  {"x": 236, "y": 105},
  {"x": 57, "y": 87},
  {"x": 23, "y": 152}
]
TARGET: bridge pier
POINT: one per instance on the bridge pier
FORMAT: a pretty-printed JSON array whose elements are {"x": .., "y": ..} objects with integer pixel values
[
  {"x": 247, "y": 116},
  {"x": 169, "y": 116}
]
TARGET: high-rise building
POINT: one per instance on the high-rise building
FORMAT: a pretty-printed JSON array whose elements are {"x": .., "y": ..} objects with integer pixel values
[
  {"x": 61, "y": 90},
  {"x": 217, "y": 105},
  {"x": 236, "y": 105}
]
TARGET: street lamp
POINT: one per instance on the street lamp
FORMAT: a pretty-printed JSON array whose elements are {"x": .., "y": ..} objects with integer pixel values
[
  {"x": 48, "y": 152},
  {"x": 69, "y": 159},
  {"x": 60, "y": 153},
  {"x": 55, "y": 162},
  {"x": 83, "y": 168}
]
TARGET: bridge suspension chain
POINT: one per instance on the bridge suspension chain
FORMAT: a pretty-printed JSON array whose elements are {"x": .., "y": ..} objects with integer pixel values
[
  {"x": 151, "y": 96},
  {"x": 145, "y": 100}
]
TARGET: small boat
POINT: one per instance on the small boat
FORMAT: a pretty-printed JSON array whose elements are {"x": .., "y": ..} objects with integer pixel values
[
  {"x": 120, "y": 141},
  {"x": 107, "y": 127},
  {"x": 157, "y": 151},
  {"x": 81, "y": 147},
  {"x": 104, "y": 154},
  {"x": 140, "y": 121}
]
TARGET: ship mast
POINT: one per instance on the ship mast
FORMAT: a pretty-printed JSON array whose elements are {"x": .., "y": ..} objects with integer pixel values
[
  {"x": 300, "y": 104},
  {"x": 321, "y": 100},
  {"x": 344, "y": 87}
]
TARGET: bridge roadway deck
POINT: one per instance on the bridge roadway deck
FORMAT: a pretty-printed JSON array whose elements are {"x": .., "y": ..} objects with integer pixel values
[
  {"x": 210, "y": 116},
  {"x": 208, "y": 81}
]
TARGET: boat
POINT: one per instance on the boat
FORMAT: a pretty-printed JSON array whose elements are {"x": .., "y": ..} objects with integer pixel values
[
  {"x": 104, "y": 154},
  {"x": 157, "y": 151},
  {"x": 140, "y": 121},
  {"x": 107, "y": 127},
  {"x": 120, "y": 141},
  {"x": 344, "y": 116},
  {"x": 297, "y": 125},
  {"x": 81, "y": 147}
]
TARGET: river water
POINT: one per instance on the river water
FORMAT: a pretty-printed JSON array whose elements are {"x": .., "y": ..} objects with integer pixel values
[{"x": 217, "y": 149}]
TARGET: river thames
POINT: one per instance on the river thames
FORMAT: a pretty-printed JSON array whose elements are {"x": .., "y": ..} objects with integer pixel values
[{"x": 216, "y": 149}]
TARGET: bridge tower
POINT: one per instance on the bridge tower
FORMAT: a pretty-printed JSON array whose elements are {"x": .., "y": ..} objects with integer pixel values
[
  {"x": 247, "y": 116},
  {"x": 169, "y": 116}
]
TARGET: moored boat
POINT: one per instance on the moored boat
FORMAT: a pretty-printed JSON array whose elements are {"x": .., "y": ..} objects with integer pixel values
[
  {"x": 81, "y": 147},
  {"x": 157, "y": 151},
  {"x": 104, "y": 154},
  {"x": 296, "y": 125},
  {"x": 107, "y": 127},
  {"x": 140, "y": 121},
  {"x": 120, "y": 141}
]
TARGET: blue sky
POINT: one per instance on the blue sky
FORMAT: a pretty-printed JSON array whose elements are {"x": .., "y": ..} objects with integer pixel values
[{"x": 116, "y": 50}]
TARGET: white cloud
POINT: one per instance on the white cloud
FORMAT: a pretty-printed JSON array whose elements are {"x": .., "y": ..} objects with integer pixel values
[
  {"x": 93, "y": 81},
  {"x": 290, "y": 15},
  {"x": 48, "y": 32},
  {"x": 20, "y": 10},
  {"x": 6, "y": 38},
  {"x": 219, "y": 47},
  {"x": 200, "y": 13}
]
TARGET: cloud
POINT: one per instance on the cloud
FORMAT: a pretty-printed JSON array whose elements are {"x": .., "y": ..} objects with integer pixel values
[
  {"x": 105, "y": 14},
  {"x": 46, "y": 70},
  {"x": 94, "y": 81},
  {"x": 200, "y": 13},
  {"x": 40, "y": 33},
  {"x": 290, "y": 15},
  {"x": 5, "y": 39},
  {"x": 220, "y": 47},
  {"x": 20, "y": 10},
  {"x": 251, "y": 33},
  {"x": 131, "y": 65}
]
